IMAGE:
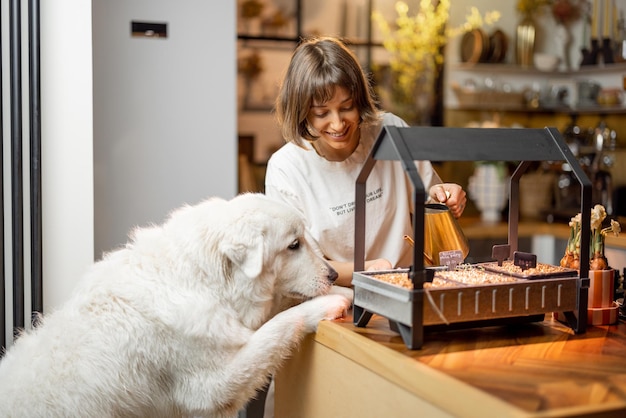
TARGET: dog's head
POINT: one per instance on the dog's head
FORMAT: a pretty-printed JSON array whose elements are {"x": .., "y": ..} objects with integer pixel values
[
  {"x": 249, "y": 252},
  {"x": 256, "y": 245},
  {"x": 268, "y": 244}
]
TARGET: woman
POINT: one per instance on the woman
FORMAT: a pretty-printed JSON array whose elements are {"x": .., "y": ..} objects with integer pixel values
[{"x": 330, "y": 122}]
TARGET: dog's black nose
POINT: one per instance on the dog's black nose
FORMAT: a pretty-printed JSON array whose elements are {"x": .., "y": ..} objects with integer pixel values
[{"x": 332, "y": 274}]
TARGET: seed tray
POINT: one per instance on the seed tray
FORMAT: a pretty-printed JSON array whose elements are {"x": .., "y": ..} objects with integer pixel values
[
  {"x": 465, "y": 303},
  {"x": 542, "y": 271}
]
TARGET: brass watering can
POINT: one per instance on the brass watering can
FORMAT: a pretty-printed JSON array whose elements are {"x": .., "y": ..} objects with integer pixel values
[{"x": 442, "y": 233}]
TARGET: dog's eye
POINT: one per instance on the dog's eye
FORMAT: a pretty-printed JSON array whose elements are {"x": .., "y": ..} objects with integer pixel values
[{"x": 294, "y": 245}]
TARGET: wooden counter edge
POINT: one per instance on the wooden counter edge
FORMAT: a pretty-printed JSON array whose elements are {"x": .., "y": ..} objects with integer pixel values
[
  {"x": 432, "y": 386},
  {"x": 435, "y": 387},
  {"x": 475, "y": 229}
]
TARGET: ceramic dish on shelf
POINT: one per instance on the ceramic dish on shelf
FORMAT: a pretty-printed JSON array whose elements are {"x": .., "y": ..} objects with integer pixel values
[
  {"x": 498, "y": 45},
  {"x": 545, "y": 62},
  {"x": 474, "y": 46}
]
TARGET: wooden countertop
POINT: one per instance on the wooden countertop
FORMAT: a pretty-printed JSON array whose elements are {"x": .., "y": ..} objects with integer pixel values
[
  {"x": 474, "y": 228},
  {"x": 531, "y": 370}
]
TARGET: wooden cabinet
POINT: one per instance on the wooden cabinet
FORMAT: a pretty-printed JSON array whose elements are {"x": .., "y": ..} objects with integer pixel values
[{"x": 532, "y": 370}]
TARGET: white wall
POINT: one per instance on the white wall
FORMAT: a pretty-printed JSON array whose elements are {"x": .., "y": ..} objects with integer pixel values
[
  {"x": 67, "y": 178},
  {"x": 164, "y": 111}
]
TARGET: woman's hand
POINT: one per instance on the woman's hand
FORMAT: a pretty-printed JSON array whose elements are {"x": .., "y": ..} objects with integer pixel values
[
  {"x": 450, "y": 194},
  {"x": 345, "y": 269},
  {"x": 378, "y": 264}
]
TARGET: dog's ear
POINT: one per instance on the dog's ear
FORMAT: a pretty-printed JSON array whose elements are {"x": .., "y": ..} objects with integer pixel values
[{"x": 248, "y": 255}]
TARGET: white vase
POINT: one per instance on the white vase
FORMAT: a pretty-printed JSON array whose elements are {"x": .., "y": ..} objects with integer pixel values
[
  {"x": 563, "y": 39},
  {"x": 489, "y": 190}
]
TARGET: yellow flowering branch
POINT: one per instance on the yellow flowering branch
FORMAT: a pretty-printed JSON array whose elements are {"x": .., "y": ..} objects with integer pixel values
[
  {"x": 532, "y": 7},
  {"x": 416, "y": 42}
]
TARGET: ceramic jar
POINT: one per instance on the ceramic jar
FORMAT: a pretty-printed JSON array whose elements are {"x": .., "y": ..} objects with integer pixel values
[
  {"x": 489, "y": 190},
  {"x": 600, "y": 307}
]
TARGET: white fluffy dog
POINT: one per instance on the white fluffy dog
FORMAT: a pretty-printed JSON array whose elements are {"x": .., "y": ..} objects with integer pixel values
[{"x": 180, "y": 322}]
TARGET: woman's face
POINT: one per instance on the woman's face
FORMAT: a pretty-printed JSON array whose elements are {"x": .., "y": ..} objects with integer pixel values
[{"x": 336, "y": 122}]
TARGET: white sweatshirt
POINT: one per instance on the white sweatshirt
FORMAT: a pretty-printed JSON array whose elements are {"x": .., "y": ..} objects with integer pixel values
[{"x": 324, "y": 192}]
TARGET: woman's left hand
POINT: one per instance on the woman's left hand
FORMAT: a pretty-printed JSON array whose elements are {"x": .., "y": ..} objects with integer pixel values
[{"x": 450, "y": 194}]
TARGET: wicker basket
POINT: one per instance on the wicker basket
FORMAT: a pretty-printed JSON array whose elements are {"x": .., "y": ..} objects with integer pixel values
[{"x": 467, "y": 97}]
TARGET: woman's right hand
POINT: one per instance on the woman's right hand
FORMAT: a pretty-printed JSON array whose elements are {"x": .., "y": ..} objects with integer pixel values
[
  {"x": 378, "y": 264},
  {"x": 450, "y": 194},
  {"x": 345, "y": 269}
]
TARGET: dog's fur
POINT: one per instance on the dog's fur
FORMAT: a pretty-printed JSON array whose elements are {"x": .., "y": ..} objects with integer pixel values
[{"x": 179, "y": 322}]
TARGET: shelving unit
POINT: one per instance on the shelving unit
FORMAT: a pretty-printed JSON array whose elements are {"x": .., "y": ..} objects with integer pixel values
[
  {"x": 566, "y": 110},
  {"x": 300, "y": 33},
  {"x": 264, "y": 52},
  {"x": 509, "y": 72},
  {"x": 516, "y": 69}
]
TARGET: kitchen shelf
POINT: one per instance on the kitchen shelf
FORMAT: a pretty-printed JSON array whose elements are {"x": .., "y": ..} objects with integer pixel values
[
  {"x": 610, "y": 73},
  {"x": 516, "y": 69},
  {"x": 299, "y": 34},
  {"x": 587, "y": 110},
  {"x": 246, "y": 37}
]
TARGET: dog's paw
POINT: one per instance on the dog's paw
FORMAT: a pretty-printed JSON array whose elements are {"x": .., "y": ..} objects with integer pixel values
[
  {"x": 343, "y": 291},
  {"x": 326, "y": 307}
]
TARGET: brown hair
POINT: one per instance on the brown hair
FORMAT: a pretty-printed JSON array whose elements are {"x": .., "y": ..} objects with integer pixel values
[{"x": 317, "y": 66}]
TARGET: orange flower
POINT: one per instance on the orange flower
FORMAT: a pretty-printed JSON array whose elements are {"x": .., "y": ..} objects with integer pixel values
[
  {"x": 531, "y": 7},
  {"x": 565, "y": 11}
]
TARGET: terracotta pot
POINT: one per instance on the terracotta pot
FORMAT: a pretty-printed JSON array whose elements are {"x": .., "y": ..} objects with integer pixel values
[
  {"x": 601, "y": 310},
  {"x": 601, "y": 288}
]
